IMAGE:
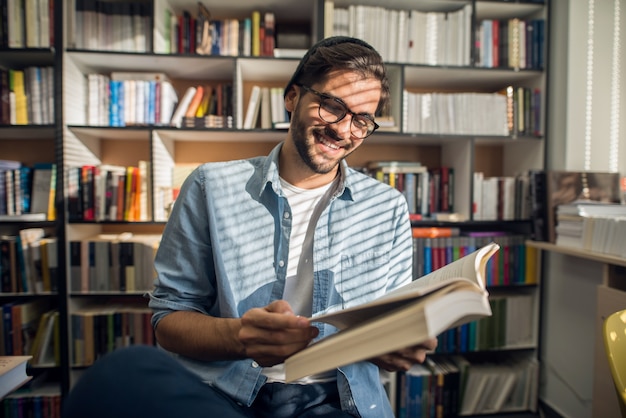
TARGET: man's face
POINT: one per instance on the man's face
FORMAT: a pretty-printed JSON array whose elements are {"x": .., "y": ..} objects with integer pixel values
[{"x": 322, "y": 145}]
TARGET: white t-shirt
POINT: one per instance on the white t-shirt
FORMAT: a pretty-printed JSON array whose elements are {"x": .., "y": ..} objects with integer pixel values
[{"x": 299, "y": 295}]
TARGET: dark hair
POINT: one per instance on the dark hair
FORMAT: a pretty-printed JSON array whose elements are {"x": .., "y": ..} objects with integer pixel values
[{"x": 341, "y": 53}]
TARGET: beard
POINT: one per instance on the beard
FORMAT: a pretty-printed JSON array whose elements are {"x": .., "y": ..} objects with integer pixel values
[{"x": 304, "y": 140}]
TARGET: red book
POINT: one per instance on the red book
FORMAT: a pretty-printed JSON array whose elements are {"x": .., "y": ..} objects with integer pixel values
[
  {"x": 88, "y": 192},
  {"x": 195, "y": 102}
]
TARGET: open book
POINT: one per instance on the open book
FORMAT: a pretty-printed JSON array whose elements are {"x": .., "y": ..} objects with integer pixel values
[{"x": 446, "y": 298}]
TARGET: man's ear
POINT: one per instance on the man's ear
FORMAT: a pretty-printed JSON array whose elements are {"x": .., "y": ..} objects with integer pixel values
[{"x": 291, "y": 98}]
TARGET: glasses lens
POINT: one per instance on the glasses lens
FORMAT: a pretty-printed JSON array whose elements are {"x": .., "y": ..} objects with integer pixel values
[{"x": 332, "y": 111}]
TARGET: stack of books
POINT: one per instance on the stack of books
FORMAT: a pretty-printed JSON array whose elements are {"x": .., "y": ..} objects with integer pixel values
[{"x": 592, "y": 226}]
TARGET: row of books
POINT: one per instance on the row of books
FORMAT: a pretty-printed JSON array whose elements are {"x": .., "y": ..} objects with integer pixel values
[
  {"x": 27, "y": 190},
  {"x": 205, "y": 106},
  {"x": 512, "y": 43},
  {"x": 501, "y": 198},
  {"x": 427, "y": 190},
  {"x": 43, "y": 401},
  {"x": 109, "y": 192},
  {"x": 599, "y": 227},
  {"x": 509, "y": 327},
  {"x": 27, "y": 96},
  {"x": 406, "y": 36},
  {"x": 457, "y": 386},
  {"x": 29, "y": 24},
  {"x": 110, "y": 26},
  {"x": 29, "y": 262},
  {"x": 523, "y": 106},
  {"x": 29, "y": 328},
  {"x": 130, "y": 99},
  {"x": 266, "y": 109},
  {"x": 513, "y": 111},
  {"x": 98, "y": 331},
  {"x": 514, "y": 264},
  {"x": 199, "y": 33},
  {"x": 149, "y": 98},
  {"x": 113, "y": 263}
]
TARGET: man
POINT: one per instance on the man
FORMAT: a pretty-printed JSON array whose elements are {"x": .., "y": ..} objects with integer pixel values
[{"x": 255, "y": 247}]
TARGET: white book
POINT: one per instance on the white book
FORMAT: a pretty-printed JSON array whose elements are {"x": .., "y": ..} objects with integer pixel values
[
  {"x": 490, "y": 199},
  {"x": 402, "y": 43},
  {"x": 44, "y": 23},
  {"x": 168, "y": 101},
  {"x": 12, "y": 373},
  {"x": 477, "y": 204},
  {"x": 252, "y": 111},
  {"x": 14, "y": 24},
  {"x": 31, "y": 11},
  {"x": 278, "y": 105},
  {"x": 177, "y": 118},
  {"x": 266, "y": 108},
  {"x": 329, "y": 13}
]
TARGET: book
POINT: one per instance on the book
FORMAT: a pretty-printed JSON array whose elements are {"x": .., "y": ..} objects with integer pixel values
[
  {"x": 564, "y": 187},
  {"x": 12, "y": 373},
  {"x": 41, "y": 188},
  {"x": 181, "y": 109},
  {"x": 443, "y": 299},
  {"x": 252, "y": 112}
]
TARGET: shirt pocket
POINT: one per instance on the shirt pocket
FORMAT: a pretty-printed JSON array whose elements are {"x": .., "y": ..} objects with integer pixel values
[{"x": 363, "y": 276}]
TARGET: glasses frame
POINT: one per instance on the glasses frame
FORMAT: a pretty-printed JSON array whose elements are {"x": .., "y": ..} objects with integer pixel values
[{"x": 346, "y": 110}]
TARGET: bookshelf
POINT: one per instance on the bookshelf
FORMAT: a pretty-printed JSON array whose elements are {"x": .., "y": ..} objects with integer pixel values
[
  {"x": 35, "y": 144},
  {"x": 71, "y": 141}
]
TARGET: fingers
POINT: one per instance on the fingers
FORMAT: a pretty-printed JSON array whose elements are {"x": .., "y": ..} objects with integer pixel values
[
  {"x": 403, "y": 359},
  {"x": 273, "y": 333}
]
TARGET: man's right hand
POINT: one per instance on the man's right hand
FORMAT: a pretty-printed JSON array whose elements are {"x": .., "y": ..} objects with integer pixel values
[{"x": 273, "y": 333}]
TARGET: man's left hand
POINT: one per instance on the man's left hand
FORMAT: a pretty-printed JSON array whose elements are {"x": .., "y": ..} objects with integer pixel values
[{"x": 402, "y": 360}]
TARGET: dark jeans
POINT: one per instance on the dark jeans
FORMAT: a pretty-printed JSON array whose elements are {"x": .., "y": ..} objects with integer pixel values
[{"x": 144, "y": 381}]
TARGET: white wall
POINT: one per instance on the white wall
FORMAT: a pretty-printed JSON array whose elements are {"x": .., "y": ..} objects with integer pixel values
[{"x": 567, "y": 343}]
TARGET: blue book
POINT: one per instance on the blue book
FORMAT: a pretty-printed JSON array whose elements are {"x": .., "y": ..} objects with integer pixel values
[
  {"x": 151, "y": 119},
  {"x": 428, "y": 262}
]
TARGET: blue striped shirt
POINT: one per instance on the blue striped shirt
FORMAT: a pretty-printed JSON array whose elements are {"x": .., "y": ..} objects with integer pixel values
[{"x": 225, "y": 251}]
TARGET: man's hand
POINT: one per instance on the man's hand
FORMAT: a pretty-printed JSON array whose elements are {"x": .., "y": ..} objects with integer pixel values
[
  {"x": 402, "y": 360},
  {"x": 273, "y": 333}
]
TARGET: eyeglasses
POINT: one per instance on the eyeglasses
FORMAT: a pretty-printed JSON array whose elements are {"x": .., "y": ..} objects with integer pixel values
[{"x": 333, "y": 110}]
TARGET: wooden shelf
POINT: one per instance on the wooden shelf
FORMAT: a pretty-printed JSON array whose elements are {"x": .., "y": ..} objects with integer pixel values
[{"x": 599, "y": 257}]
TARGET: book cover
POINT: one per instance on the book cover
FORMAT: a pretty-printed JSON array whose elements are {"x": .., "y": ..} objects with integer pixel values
[
  {"x": 448, "y": 297},
  {"x": 12, "y": 373}
]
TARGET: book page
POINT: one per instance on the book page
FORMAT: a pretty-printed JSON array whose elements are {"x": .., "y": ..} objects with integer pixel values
[
  {"x": 472, "y": 266},
  {"x": 467, "y": 272}
]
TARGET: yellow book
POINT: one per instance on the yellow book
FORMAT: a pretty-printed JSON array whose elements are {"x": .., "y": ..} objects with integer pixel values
[
  {"x": 45, "y": 271},
  {"x": 52, "y": 214},
  {"x": 19, "y": 90},
  {"x": 256, "y": 30},
  {"x": 532, "y": 256},
  {"x": 129, "y": 192},
  {"x": 203, "y": 108}
]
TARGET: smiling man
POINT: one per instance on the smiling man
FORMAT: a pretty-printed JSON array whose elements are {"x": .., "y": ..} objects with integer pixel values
[{"x": 255, "y": 247}]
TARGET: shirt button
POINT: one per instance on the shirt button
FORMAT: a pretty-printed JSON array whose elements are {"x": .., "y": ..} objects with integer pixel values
[
  {"x": 286, "y": 215},
  {"x": 255, "y": 364},
  {"x": 281, "y": 263}
]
